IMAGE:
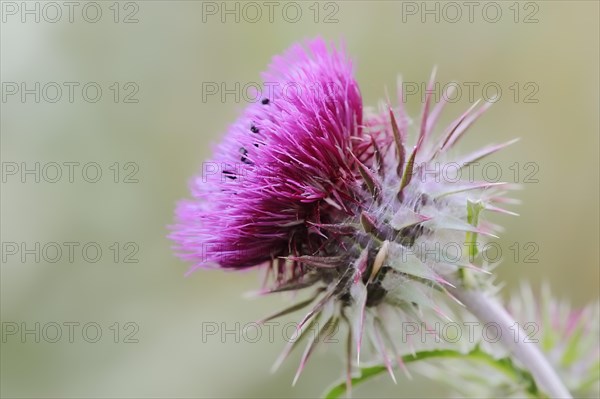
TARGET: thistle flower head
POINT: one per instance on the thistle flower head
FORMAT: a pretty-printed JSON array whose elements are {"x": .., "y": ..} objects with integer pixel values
[{"x": 341, "y": 202}]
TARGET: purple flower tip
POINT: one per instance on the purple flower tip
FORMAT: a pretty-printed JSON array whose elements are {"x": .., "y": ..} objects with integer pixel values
[{"x": 259, "y": 195}]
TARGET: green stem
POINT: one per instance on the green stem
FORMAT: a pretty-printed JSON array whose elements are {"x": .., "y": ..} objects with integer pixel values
[{"x": 505, "y": 366}]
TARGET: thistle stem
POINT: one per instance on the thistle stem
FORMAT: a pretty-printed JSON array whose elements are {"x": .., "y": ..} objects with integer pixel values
[{"x": 488, "y": 310}]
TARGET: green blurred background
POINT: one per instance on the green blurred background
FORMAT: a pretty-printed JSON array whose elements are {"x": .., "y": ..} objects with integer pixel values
[{"x": 168, "y": 54}]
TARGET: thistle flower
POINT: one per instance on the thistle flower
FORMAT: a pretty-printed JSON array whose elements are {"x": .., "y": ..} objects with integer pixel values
[
  {"x": 281, "y": 163},
  {"x": 339, "y": 201}
]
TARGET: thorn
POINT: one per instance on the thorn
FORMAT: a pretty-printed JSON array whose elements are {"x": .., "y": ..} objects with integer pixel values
[
  {"x": 400, "y": 151},
  {"x": 368, "y": 223},
  {"x": 484, "y": 152},
  {"x": 455, "y": 126},
  {"x": 370, "y": 180},
  {"x": 379, "y": 260},
  {"x": 408, "y": 172},
  {"x": 468, "y": 122},
  {"x": 359, "y": 292},
  {"x": 492, "y": 208},
  {"x": 361, "y": 265},
  {"x": 437, "y": 110},
  {"x": 439, "y": 311},
  {"x": 401, "y": 110},
  {"x": 378, "y": 158},
  {"x": 291, "y": 309},
  {"x": 381, "y": 348},
  {"x": 333, "y": 203},
  {"x": 424, "y": 118}
]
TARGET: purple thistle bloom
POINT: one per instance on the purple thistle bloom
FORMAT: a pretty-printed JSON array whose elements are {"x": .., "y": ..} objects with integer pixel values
[
  {"x": 329, "y": 198},
  {"x": 279, "y": 163}
]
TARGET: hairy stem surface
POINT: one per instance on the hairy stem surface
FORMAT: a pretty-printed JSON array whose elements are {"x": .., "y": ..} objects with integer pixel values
[{"x": 488, "y": 310}]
